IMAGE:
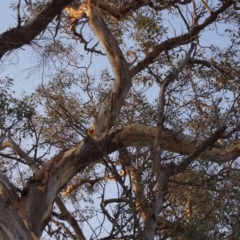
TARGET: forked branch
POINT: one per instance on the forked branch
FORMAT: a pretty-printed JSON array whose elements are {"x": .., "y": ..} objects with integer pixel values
[{"x": 113, "y": 102}]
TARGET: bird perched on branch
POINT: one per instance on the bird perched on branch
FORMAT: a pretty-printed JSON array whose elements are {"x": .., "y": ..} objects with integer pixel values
[{"x": 88, "y": 137}]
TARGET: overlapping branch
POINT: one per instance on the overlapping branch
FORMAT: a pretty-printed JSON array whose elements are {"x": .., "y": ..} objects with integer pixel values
[
  {"x": 161, "y": 174},
  {"x": 171, "y": 43},
  {"x": 66, "y": 216},
  {"x": 66, "y": 164},
  {"x": 113, "y": 102},
  {"x": 17, "y": 37},
  {"x": 28, "y": 160}
]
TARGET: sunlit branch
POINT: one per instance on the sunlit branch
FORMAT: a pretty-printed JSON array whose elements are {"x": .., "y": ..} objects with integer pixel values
[
  {"x": 113, "y": 102},
  {"x": 208, "y": 143},
  {"x": 206, "y": 6},
  {"x": 60, "y": 169},
  {"x": 76, "y": 13}
]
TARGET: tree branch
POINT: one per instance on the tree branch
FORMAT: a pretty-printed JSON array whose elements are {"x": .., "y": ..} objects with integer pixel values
[
  {"x": 110, "y": 10},
  {"x": 19, "y": 36},
  {"x": 178, "y": 41},
  {"x": 171, "y": 76},
  {"x": 51, "y": 179},
  {"x": 66, "y": 216},
  {"x": 210, "y": 64},
  {"x": 113, "y": 102},
  {"x": 8, "y": 216},
  {"x": 162, "y": 175},
  {"x": 29, "y": 161},
  {"x": 208, "y": 143}
]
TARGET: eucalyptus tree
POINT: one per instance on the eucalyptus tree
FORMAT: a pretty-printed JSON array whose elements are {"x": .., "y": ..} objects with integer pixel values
[{"x": 133, "y": 132}]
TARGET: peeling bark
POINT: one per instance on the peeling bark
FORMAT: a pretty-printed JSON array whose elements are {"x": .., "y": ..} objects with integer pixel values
[
  {"x": 42, "y": 189},
  {"x": 122, "y": 83},
  {"x": 30, "y": 212},
  {"x": 45, "y": 185},
  {"x": 11, "y": 225}
]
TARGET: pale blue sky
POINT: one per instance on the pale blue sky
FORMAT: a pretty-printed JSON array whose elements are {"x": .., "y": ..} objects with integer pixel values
[
  {"x": 19, "y": 61},
  {"x": 21, "y": 64}
]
